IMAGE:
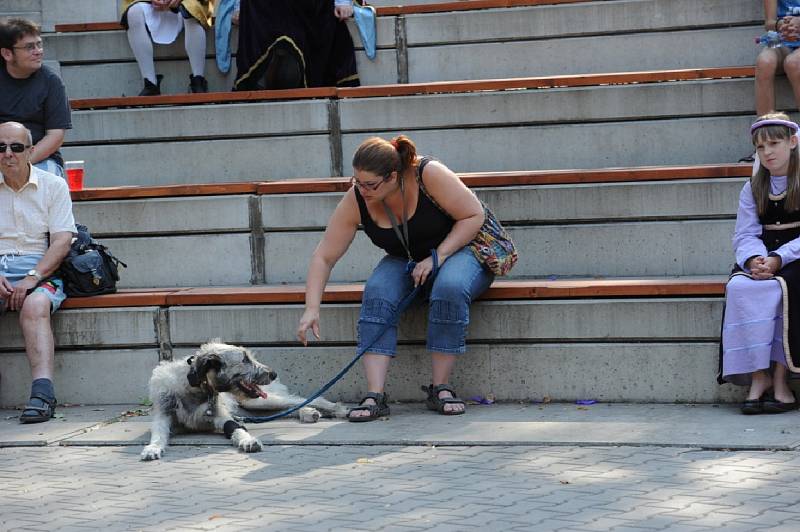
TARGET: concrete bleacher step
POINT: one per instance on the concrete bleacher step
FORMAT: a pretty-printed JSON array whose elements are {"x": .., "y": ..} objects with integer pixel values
[
  {"x": 566, "y": 340},
  {"x": 473, "y": 44},
  {"x": 489, "y": 130},
  {"x": 222, "y": 255},
  {"x": 30, "y": 9},
  {"x": 267, "y": 237}
]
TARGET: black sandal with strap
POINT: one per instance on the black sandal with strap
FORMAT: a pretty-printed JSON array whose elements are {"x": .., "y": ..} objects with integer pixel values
[
  {"x": 436, "y": 403},
  {"x": 379, "y": 409},
  {"x": 38, "y": 414}
]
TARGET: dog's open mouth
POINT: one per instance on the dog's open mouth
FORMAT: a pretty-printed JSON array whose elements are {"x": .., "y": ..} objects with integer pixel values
[{"x": 252, "y": 390}]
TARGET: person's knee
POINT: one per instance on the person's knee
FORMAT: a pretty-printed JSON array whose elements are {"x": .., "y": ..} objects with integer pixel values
[
  {"x": 135, "y": 16},
  {"x": 377, "y": 310},
  {"x": 767, "y": 63},
  {"x": 451, "y": 289},
  {"x": 449, "y": 301},
  {"x": 36, "y": 307},
  {"x": 792, "y": 65},
  {"x": 738, "y": 287}
]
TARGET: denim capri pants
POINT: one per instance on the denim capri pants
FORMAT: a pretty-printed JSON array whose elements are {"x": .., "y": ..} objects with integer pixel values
[
  {"x": 460, "y": 280},
  {"x": 16, "y": 267}
]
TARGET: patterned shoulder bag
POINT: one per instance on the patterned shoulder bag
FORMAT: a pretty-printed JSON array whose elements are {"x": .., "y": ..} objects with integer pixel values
[{"x": 492, "y": 246}]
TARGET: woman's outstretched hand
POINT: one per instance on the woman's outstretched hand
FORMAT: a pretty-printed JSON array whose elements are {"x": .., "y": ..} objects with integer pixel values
[{"x": 309, "y": 320}]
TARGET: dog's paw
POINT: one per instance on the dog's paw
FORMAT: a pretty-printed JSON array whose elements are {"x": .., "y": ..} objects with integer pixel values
[
  {"x": 250, "y": 445},
  {"x": 340, "y": 411},
  {"x": 308, "y": 415},
  {"x": 151, "y": 452}
]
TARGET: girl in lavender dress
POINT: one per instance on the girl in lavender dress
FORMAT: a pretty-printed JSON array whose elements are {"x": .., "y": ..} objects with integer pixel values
[{"x": 760, "y": 342}]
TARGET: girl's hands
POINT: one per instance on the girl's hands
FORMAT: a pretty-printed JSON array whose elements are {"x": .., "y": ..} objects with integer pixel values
[
  {"x": 309, "y": 320},
  {"x": 764, "y": 267},
  {"x": 790, "y": 28}
]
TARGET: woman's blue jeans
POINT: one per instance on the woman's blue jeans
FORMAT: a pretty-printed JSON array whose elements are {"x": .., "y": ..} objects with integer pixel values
[{"x": 460, "y": 280}]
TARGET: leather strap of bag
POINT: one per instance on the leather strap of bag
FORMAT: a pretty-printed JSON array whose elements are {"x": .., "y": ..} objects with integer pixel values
[{"x": 422, "y": 163}]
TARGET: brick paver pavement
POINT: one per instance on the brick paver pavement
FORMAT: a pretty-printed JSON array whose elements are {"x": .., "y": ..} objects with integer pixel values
[{"x": 316, "y": 488}]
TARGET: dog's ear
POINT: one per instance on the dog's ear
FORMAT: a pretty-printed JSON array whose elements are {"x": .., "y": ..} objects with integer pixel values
[{"x": 200, "y": 366}]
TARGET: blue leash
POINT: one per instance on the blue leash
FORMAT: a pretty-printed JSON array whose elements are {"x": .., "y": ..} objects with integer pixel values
[{"x": 393, "y": 321}]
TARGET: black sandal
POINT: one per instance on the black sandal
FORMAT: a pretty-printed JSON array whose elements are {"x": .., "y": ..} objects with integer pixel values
[
  {"x": 379, "y": 409},
  {"x": 38, "y": 414},
  {"x": 436, "y": 403}
]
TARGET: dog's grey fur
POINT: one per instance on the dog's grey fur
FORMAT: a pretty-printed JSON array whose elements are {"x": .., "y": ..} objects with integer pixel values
[{"x": 223, "y": 376}]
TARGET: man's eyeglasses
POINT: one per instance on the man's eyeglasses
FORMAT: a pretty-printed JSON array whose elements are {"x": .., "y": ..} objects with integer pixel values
[
  {"x": 368, "y": 186},
  {"x": 16, "y": 147},
  {"x": 31, "y": 46}
]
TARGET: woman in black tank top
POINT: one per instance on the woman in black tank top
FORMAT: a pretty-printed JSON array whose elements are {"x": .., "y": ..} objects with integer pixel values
[{"x": 410, "y": 207}]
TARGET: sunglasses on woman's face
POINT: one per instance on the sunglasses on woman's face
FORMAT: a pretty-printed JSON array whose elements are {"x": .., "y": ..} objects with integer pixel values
[
  {"x": 16, "y": 147},
  {"x": 367, "y": 186}
]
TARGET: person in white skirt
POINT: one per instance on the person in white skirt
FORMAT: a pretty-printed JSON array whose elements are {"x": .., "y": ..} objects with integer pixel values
[{"x": 160, "y": 22}]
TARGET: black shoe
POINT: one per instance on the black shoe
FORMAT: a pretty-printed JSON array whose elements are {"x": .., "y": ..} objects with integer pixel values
[
  {"x": 748, "y": 158},
  {"x": 752, "y": 407},
  {"x": 150, "y": 88},
  {"x": 773, "y": 406},
  {"x": 197, "y": 84}
]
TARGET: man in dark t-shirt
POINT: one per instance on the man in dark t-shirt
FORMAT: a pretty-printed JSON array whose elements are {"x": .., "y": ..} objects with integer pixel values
[{"x": 31, "y": 93}]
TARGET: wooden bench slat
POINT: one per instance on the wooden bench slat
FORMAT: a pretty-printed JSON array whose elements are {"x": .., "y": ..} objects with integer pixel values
[
  {"x": 203, "y": 98},
  {"x": 471, "y": 179},
  {"x": 164, "y": 191},
  {"x": 571, "y": 80},
  {"x": 351, "y": 293},
  {"x": 466, "y": 5},
  {"x": 442, "y": 7},
  {"x": 78, "y": 27},
  {"x": 126, "y": 297},
  {"x": 409, "y": 89}
]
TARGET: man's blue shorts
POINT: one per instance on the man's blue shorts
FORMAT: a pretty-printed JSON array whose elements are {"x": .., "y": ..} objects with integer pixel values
[
  {"x": 16, "y": 267},
  {"x": 50, "y": 165}
]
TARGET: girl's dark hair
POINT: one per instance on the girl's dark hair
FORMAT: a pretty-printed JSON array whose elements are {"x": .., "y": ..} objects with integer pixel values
[
  {"x": 382, "y": 157},
  {"x": 760, "y": 182}
]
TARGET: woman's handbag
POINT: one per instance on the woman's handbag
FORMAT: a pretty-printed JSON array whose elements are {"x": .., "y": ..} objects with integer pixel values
[{"x": 492, "y": 246}]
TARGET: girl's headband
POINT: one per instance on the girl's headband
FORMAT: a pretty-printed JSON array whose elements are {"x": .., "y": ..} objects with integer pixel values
[{"x": 774, "y": 122}]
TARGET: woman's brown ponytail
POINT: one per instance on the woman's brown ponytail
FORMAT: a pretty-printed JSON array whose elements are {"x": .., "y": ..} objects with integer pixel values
[
  {"x": 407, "y": 151},
  {"x": 382, "y": 157}
]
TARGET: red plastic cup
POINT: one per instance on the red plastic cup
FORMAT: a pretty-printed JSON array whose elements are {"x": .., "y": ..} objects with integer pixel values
[{"x": 74, "y": 171}]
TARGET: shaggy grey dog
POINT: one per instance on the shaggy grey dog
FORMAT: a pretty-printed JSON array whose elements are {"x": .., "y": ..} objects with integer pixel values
[{"x": 201, "y": 392}]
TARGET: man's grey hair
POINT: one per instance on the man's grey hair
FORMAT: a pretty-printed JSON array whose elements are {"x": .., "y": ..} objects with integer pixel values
[{"x": 27, "y": 131}]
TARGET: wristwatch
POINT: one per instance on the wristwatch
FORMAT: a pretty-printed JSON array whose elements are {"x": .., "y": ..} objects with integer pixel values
[{"x": 34, "y": 273}]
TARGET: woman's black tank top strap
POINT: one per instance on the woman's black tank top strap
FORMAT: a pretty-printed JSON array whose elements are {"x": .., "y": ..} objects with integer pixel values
[
  {"x": 428, "y": 226},
  {"x": 779, "y": 226}
]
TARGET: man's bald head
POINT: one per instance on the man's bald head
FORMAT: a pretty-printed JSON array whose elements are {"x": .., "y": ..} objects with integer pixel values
[{"x": 15, "y": 128}]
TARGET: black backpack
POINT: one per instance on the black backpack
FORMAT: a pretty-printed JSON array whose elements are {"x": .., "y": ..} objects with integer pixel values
[{"x": 89, "y": 269}]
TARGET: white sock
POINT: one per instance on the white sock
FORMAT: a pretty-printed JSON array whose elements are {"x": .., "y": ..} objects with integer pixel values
[
  {"x": 140, "y": 42},
  {"x": 195, "y": 40}
]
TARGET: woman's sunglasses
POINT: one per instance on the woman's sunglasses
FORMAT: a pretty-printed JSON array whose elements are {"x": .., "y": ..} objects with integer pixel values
[{"x": 368, "y": 186}]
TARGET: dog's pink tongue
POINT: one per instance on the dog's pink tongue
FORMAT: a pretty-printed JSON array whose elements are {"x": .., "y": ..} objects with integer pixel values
[{"x": 261, "y": 393}]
